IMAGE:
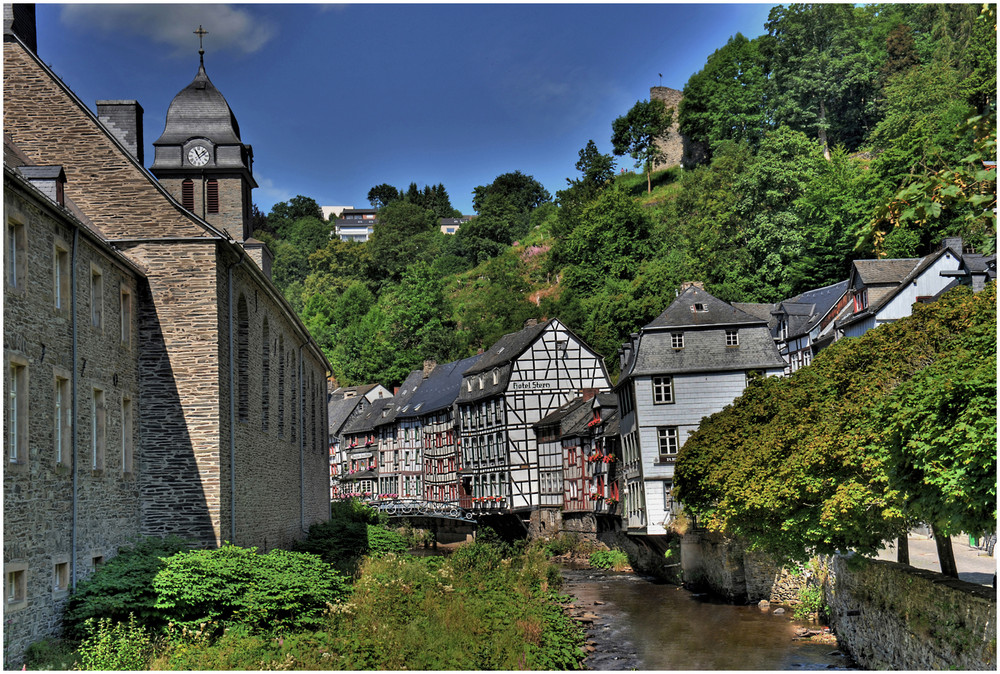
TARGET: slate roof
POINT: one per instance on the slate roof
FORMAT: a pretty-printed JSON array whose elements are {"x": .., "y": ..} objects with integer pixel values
[
  {"x": 761, "y": 311},
  {"x": 612, "y": 424},
  {"x": 440, "y": 389},
  {"x": 508, "y": 347},
  {"x": 560, "y": 413},
  {"x": 575, "y": 423},
  {"x": 681, "y": 312},
  {"x": 200, "y": 110},
  {"x": 921, "y": 266},
  {"x": 705, "y": 347},
  {"x": 401, "y": 402},
  {"x": 807, "y": 309},
  {"x": 882, "y": 272},
  {"x": 367, "y": 420},
  {"x": 340, "y": 410}
]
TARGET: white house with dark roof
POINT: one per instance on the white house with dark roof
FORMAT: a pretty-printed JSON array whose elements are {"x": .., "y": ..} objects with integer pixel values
[
  {"x": 520, "y": 379},
  {"x": 883, "y": 291},
  {"x": 688, "y": 363},
  {"x": 803, "y": 324}
]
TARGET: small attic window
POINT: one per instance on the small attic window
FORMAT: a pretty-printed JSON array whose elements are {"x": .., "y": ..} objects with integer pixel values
[
  {"x": 468, "y": 384},
  {"x": 500, "y": 350},
  {"x": 699, "y": 307},
  {"x": 418, "y": 406},
  {"x": 481, "y": 384},
  {"x": 385, "y": 413},
  {"x": 496, "y": 377}
]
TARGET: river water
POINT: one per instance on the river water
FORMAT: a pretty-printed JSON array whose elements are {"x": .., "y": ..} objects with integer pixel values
[{"x": 644, "y": 624}]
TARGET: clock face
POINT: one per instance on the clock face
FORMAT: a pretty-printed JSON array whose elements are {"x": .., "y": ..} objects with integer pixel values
[{"x": 198, "y": 156}]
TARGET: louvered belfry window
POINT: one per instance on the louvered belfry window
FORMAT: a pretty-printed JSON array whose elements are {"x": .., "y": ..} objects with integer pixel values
[
  {"x": 187, "y": 195},
  {"x": 212, "y": 196}
]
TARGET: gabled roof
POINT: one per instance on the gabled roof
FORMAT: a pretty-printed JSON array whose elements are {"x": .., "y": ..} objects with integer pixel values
[
  {"x": 561, "y": 413},
  {"x": 508, "y": 348},
  {"x": 682, "y": 312},
  {"x": 339, "y": 411},
  {"x": 401, "y": 402},
  {"x": 440, "y": 389},
  {"x": 806, "y": 309},
  {"x": 882, "y": 272},
  {"x": 369, "y": 419},
  {"x": 759, "y": 310},
  {"x": 576, "y": 422},
  {"x": 915, "y": 272},
  {"x": 612, "y": 424}
]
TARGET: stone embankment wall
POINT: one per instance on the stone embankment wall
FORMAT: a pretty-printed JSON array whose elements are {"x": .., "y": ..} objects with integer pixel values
[
  {"x": 886, "y": 615},
  {"x": 646, "y": 554},
  {"x": 893, "y": 616}
]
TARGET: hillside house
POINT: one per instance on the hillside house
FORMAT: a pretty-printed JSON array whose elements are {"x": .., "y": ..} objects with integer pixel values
[
  {"x": 690, "y": 362},
  {"x": 804, "y": 324}
]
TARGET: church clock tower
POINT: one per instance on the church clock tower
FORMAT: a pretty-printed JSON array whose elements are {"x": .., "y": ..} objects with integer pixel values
[{"x": 200, "y": 158}]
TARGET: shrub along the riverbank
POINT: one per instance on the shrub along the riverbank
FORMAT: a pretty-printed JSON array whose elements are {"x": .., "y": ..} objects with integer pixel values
[{"x": 488, "y": 606}]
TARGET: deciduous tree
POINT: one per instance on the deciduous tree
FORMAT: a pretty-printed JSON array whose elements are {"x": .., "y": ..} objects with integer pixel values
[{"x": 638, "y": 132}]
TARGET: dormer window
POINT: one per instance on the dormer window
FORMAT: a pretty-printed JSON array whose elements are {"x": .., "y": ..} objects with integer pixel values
[
  {"x": 699, "y": 307},
  {"x": 861, "y": 300},
  {"x": 496, "y": 377},
  {"x": 468, "y": 385},
  {"x": 481, "y": 383},
  {"x": 677, "y": 340}
]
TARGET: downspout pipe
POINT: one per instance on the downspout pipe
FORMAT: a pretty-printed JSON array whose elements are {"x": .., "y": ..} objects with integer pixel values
[
  {"x": 73, "y": 426},
  {"x": 302, "y": 450},
  {"x": 232, "y": 405}
]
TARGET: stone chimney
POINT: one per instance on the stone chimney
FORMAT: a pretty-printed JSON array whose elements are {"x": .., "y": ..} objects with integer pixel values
[
  {"x": 19, "y": 20},
  {"x": 697, "y": 284},
  {"x": 530, "y": 322},
  {"x": 124, "y": 120},
  {"x": 261, "y": 254},
  {"x": 953, "y": 242},
  {"x": 48, "y": 179},
  {"x": 429, "y": 366}
]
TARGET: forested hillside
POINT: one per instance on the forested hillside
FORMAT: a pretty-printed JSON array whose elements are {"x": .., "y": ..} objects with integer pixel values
[{"x": 842, "y": 133}]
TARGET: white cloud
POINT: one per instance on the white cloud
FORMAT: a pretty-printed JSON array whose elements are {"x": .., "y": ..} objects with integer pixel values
[
  {"x": 267, "y": 193},
  {"x": 229, "y": 27}
]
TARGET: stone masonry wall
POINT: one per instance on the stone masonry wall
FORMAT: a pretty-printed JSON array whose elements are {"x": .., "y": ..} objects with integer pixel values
[
  {"x": 38, "y": 488},
  {"x": 893, "y": 616},
  {"x": 677, "y": 149}
]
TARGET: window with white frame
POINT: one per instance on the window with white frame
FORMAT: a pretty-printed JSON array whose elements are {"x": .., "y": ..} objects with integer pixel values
[
  {"x": 663, "y": 390},
  {"x": 96, "y": 298},
  {"x": 666, "y": 437},
  {"x": 677, "y": 340},
  {"x": 98, "y": 429},
  {"x": 861, "y": 299},
  {"x": 62, "y": 418},
  {"x": 732, "y": 338},
  {"x": 126, "y": 316},
  {"x": 17, "y": 412},
  {"x": 60, "y": 277},
  {"x": 17, "y": 255}
]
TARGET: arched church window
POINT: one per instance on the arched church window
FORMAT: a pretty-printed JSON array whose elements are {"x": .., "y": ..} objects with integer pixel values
[
  {"x": 265, "y": 380},
  {"x": 243, "y": 358},
  {"x": 187, "y": 194},
  {"x": 212, "y": 196}
]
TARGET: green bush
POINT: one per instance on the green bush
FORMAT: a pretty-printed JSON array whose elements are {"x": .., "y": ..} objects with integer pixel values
[
  {"x": 122, "y": 587},
  {"x": 280, "y": 590},
  {"x": 50, "y": 654},
  {"x": 115, "y": 646},
  {"x": 345, "y": 539},
  {"x": 609, "y": 559},
  {"x": 810, "y": 602},
  {"x": 382, "y": 541}
]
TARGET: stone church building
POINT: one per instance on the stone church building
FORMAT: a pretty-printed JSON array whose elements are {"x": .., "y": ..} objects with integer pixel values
[{"x": 156, "y": 381}]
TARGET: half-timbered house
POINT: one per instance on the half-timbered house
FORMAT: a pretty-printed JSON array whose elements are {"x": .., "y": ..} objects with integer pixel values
[
  {"x": 518, "y": 381},
  {"x": 688, "y": 363}
]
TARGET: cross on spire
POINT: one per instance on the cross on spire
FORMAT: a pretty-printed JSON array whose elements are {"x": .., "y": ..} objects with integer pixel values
[{"x": 201, "y": 33}]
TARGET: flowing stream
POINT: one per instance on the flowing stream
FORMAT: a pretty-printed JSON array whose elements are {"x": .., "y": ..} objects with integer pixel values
[{"x": 639, "y": 623}]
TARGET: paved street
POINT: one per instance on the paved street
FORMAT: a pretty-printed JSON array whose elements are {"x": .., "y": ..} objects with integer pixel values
[{"x": 974, "y": 565}]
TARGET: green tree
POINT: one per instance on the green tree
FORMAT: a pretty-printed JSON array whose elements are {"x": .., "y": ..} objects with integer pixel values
[
  {"x": 637, "y": 133},
  {"x": 521, "y": 191},
  {"x": 382, "y": 195},
  {"x": 285, "y": 213},
  {"x": 822, "y": 78},
  {"x": 396, "y": 242},
  {"x": 597, "y": 169},
  {"x": 726, "y": 99}
]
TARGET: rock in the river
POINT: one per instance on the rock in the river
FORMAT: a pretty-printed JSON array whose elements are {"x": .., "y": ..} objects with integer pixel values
[
  {"x": 763, "y": 604},
  {"x": 779, "y": 611}
]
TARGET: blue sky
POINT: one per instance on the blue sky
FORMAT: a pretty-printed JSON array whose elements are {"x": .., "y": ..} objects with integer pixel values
[{"x": 336, "y": 99}]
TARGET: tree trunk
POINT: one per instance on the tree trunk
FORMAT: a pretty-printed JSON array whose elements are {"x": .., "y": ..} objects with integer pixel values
[
  {"x": 649, "y": 179},
  {"x": 822, "y": 129},
  {"x": 903, "y": 549},
  {"x": 945, "y": 554}
]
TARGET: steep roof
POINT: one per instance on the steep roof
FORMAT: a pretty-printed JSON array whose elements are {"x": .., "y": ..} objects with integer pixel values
[
  {"x": 881, "y": 272},
  {"x": 200, "y": 110},
  {"x": 558, "y": 415},
  {"x": 340, "y": 410},
  {"x": 805, "y": 310},
  {"x": 440, "y": 389},
  {"x": 508, "y": 348},
  {"x": 695, "y": 307},
  {"x": 401, "y": 402},
  {"x": 367, "y": 420}
]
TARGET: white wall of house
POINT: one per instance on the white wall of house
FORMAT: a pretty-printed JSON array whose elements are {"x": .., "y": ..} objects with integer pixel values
[{"x": 927, "y": 284}]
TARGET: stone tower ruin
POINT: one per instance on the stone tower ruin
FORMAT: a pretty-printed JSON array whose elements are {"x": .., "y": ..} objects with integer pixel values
[{"x": 677, "y": 150}]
